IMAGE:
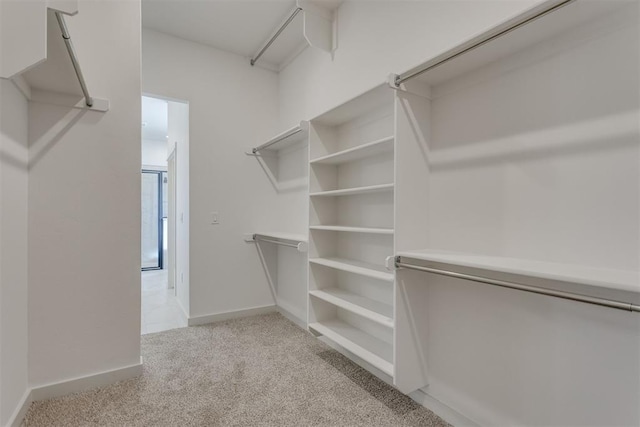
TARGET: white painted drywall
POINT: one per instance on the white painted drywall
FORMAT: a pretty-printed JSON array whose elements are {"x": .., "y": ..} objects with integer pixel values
[
  {"x": 375, "y": 39},
  {"x": 84, "y": 216},
  {"x": 13, "y": 248},
  {"x": 232, "y": 106},
  {"x": 178, "y": 131},
  {"x": 154, "y": 153}
]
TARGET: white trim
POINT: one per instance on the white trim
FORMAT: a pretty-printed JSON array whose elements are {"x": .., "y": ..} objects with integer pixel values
[
  {"x": 73, "y": 385},
  {"x": 288, "y": 313},
  {"x": 442, "y": 410},
  {"x": 21, "y": 410},
  {"x": 227, "y": 315}
]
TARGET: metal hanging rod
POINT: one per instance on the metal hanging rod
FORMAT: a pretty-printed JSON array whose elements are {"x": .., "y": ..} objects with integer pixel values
[
  {"x": 527, "y": 288},
  {"x": 74, "y": 59},
  {"x": 277, "y": 139},
  {"x": 300, "y": 246},
  {"x": 500, "y": 31},
  {"x": 275, "y": 36}
]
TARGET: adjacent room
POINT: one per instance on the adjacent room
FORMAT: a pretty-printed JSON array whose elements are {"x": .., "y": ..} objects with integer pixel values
[{"x": 320, "y": 213}]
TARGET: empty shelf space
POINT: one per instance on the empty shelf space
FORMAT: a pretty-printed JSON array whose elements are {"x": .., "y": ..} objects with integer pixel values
[
  {"x": 370, "y": 230},
  {"x": 372, "y": 350},
  {"x": 384, "y": 145},
  {"x": 356, "y": 267},
  {"x": 353, "y": 191},
  {"x": 373, "y": 310}
]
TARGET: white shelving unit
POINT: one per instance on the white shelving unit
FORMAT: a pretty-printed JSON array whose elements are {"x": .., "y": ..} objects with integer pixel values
[{"x": 352, "y": 228}]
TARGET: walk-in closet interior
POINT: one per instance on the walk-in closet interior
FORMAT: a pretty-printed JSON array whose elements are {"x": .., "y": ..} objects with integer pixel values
[{"x": 445, "y": 193}]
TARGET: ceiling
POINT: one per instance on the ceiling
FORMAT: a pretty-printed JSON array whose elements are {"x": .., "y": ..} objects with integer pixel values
[
  {"x": 238, "y": 26},
  {"x": 154, "y": 119}
]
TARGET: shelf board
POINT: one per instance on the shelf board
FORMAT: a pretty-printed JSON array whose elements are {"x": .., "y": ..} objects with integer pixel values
[
  {"x": 284, "y": 236},
  {"x": 587, "y": 276},
  {"x": 535, "y": 32},
  {"x": 369, "y": 230},
  {"x": 356, "y": 267},
  {"x": 384, "y": 145},
  {"x": 356, "y": 190},
  {"x": 373, "y": 310},
  {"x": 372, "y": 350},
  {"x": 285, "y": 139}
]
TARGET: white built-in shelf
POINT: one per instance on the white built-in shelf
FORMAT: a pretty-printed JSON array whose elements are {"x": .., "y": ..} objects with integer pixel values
[
  {"x": 372, "y": 350},
  {"x": 368, "y": 230},
  {"x": 621, "y": 280},
  {"x": 356, "y": 267},
  {"x": 353, "y": 191},
  {"x": 384, "y": 145},
  {"x": 295, "y": 135},
  {"x": 533, "y": 33},
  {"x": 375, "y": 311},
  {"x": 284, "y": 236}
]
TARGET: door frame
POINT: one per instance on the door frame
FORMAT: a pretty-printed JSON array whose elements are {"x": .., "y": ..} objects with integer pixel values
[{"x": 160, "y": 230}]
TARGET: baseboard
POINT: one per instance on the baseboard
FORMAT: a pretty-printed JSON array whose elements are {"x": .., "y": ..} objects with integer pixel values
[
  {"x": 185, "y": 316},
  {"x": 227, "y": 315},
  {"x": 292, "y": 317},
  {"x": 442, "y": 410},
  {"x": 73, "y": 385},
  {"x": 21, "y": 410}
]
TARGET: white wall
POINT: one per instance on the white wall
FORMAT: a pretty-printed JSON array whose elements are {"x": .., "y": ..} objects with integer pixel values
[
  {"x": 154, "y": 153},
  {"x": 13, "y": 248},
  {"x": 375, "y": 39},
  {"x": 231, "y": 106},
  {"x": 84, "y": 208}
]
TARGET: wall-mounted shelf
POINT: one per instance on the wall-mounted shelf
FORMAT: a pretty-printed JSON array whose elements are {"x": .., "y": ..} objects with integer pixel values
[
  {"x": 309, "y": 23},
  {"x": 380, "y": 146},
  {"x": 370, "y": 349},
  {"x": 368, "y": 230},
  {"x": 295, "y": 135},
  {"x": 297, "y": 241},
  {"x": 354, "y": 191},
  {"x": 376, "y": 311},
  {"x": 356, "y": 267},
  {"x": 586, "y": 277},
  {"x": 44, "y": 64}
]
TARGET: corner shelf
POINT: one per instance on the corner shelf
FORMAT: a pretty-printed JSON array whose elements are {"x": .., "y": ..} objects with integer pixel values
[
  {"x": 384, "y": 145},
  {"x": 356, "y": 267},
  {"x": 373, "y": 310},
  {"x": 372, "y": 350},
  {"x": 354, "y": 191},
  {"x": 369, "y": 230}
]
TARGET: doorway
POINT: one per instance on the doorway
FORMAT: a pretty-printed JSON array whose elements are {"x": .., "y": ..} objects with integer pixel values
[{"x": 164, "y": 300}]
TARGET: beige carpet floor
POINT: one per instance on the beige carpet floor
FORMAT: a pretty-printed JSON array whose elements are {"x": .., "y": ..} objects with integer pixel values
[{"x": 256, "y": 371}]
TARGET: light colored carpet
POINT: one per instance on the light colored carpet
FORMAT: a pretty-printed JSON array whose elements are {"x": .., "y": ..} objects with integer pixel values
[{"x": 260, "y": 370}]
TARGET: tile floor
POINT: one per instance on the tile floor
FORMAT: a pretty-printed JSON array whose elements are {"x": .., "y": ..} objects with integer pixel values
[{"x": 160, "y": 309}]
